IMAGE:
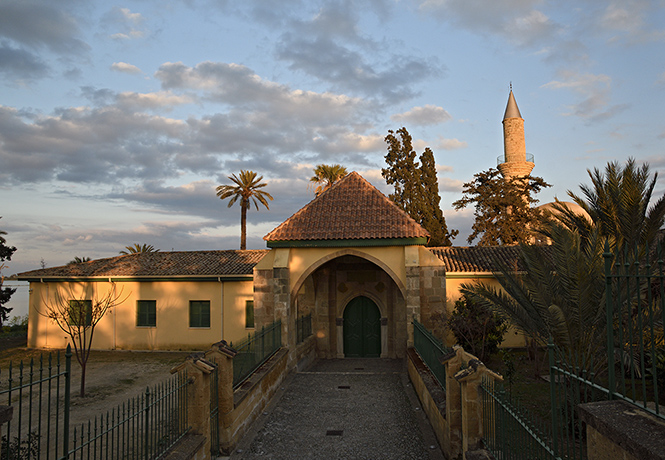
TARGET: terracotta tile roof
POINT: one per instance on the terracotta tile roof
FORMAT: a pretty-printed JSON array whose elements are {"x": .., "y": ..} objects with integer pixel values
[
  {"x": 351, "y": 209},
  {"x": 158, "y": 264},
  {"x": 481, "y": 259}
]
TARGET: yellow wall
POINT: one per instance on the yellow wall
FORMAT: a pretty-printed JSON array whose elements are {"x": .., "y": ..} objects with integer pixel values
[
  {"x": 512, "y": 338},
  {"x": 303, "y": 261},
  {"x": 118, "y": 329}
]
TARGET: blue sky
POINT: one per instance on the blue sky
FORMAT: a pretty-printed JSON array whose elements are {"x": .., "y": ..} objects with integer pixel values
[{"x": 118, "y": 120}]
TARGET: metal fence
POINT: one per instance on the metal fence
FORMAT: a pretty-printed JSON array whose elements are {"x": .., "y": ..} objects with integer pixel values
[
  {"x": 303, "y": 327},
  {"x": 508, "y": 430},
  {"x": 39, "y": 394},
  {"x": 430, "y": 350},
  {"x": 255, "y": 350}
]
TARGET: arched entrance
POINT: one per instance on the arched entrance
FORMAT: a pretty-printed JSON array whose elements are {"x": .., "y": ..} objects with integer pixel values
[{"x": 362, "y": 329}]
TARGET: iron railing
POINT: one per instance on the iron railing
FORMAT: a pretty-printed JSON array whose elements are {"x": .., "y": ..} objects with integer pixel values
[
  {"x": 303, "y": 327},
  {"x": 39, "y": 395},
  {"x": 502, "y": 159},
  {"x": 509, "y": 432},
  {"x": 141, "y": 428},
  {"x": 430, "y": 350},
  {"x": 255, "y": 350}
]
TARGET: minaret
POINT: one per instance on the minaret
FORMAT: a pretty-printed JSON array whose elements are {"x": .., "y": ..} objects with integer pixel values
[{"x": 515, "y": 162}]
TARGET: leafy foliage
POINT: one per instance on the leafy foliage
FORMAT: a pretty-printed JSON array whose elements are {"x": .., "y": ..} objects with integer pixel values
[
  {"x": 6, "y": 253},
  {"x": 78, "y": 260},
  {"x": 326, "y": 175},
  {"x": 247, "y": 189},
  {"x": 476, "y": 327},
  {"x": 504, "y": 215},
  {"x": 18, "y": 449},
  {"x": 561, "y": 297},
  {"x": 136, "y": 249},
  {"x": 619, "y": 204},
  {"x": 416, "y": 186}
]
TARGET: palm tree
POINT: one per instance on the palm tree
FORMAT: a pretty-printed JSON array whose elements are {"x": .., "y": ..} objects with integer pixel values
[
  {"x": 326, "y": 175},
  {"x": 618, "y": 202},
  {"x": 78, "y": 260},
  {"x": 137, "y": 248},
  {"x": 561, "y": 297},
  {"x": 247, "y": 189}
]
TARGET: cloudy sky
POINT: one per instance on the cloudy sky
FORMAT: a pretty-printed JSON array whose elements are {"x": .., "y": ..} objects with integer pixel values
[{"x": 118, "y": 120}]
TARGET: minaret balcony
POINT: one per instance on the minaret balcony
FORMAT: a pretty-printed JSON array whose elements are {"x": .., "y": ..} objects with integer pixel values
[{"x": 502, "y": 159}]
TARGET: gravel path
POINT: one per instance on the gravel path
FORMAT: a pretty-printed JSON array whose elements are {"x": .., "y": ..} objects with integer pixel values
[{"x": 343, "y": 409}]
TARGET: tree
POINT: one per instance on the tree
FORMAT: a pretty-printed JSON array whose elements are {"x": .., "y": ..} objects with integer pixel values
[
  {"x": 504, "y": 215},
  {"x": 247, "y": 190},
  {"x": 78, "y": 316},
  {"x": 561, "y": 296},
  {"x": 137, "y": 248},
  {"x": 619, "y": 204},
  {"x": 326, "y": 175},
  {"x": 78, "y": 260},
  {"x": 6, "y": 253},
  {"x": 416, "y": 186}
]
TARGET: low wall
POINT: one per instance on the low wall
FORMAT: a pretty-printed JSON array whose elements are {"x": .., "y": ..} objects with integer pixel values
[{"x": 432, "y": 397}]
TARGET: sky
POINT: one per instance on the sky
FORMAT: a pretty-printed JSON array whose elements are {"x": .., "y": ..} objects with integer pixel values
[{"x": 119, "y": 119}]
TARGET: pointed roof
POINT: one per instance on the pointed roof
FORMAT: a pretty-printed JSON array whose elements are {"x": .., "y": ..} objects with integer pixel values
[
  {"x": 511, "y": 108},
  {"x": 352, "y": 209}
]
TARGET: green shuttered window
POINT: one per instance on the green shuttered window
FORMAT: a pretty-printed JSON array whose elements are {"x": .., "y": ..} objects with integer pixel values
[
  {"x": 199, "y": 313},
  {"x": 146, "y": 313}
]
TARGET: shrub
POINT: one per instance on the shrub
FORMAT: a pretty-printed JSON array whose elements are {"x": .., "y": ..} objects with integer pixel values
[{"x": 476, "y": 328}]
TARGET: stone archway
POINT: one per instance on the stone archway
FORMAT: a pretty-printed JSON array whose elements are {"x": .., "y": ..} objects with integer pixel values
[{"x": 362, "y": 329}]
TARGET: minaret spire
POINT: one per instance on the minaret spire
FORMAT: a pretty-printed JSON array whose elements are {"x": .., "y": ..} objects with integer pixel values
[{"x": 514, "y": 162}]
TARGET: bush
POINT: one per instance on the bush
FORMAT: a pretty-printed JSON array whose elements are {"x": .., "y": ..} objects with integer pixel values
[{"x": 476, "y": 328}]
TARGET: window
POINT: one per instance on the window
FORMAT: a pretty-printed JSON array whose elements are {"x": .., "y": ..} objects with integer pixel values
[
  {"x": 199, "y": 313},
  {"x": 249, "y": 313},
  {"x": 146, "y": 313},
  {"x": 80, "y": 313}
]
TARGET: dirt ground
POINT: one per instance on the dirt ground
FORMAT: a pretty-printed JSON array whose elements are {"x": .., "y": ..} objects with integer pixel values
[{"x": 112, "y": 377}]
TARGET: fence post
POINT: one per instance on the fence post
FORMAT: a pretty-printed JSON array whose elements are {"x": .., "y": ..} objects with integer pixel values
[
  {"x": 146, "y": 425},
  {"x": 607, "y": 255},
  {"x": 198, "y": 370},
  {"x": 222, "y": 355},
  {"x": 555, "y": 423},
  {"x": 470, "y": 379},
  {"x": 68, "y": 381}
]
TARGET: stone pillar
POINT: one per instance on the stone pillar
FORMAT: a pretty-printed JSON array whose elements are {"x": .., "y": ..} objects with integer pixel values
[
  {"x": 453, "y": 362},
  {"x": 340, "y": 337},
  {"x": 263, "y": 298},
  {"x": 6, "y": 413},
  {"x": 198, "y": 371},
  {"x": 412, "y": 264},
  {"x": 384, "y": 337},
  {"x": 222, "y": 355}
]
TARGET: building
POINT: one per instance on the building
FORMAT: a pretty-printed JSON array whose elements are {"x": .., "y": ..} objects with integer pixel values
[{"x": 350, "y": 257}]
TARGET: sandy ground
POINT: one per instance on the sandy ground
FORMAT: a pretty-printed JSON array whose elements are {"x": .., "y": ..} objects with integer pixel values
[{"x": 112, "y": 377}]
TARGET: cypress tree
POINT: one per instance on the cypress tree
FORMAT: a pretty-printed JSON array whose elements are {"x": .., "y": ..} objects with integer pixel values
[{"x": 416, "y": 186}]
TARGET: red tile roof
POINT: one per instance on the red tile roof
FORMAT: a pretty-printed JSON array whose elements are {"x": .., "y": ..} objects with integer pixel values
[
  {"x": 158, "y": 264},
  {"x": 482, "y": 259},
  {"x": 351, "y": 209}
]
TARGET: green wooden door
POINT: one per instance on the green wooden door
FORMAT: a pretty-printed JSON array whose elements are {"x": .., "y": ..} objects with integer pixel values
[{"x": 362, "y": 329}]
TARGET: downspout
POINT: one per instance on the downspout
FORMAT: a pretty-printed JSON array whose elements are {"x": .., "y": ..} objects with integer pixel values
[{"x": 221, "y": 312}]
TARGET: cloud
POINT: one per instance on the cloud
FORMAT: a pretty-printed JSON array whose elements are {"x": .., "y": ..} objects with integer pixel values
[
  {"x": 19, "y": 64},
  {"x": 423, "y": 116},
  {"x": 41, "y": 25},
  {"x": 450, "y": 185},
  {"x": 449, "y": 144},
  {"x": 126, "y": 68},
  {"x": 130, "y": 25},
  {"x": 629, "y": 20},
  {"x": 517, "y": 21},
  {"x": 595, "y": 91},
  {"x": 146, "y": 101},
  {"x": 331, "y": 47}
]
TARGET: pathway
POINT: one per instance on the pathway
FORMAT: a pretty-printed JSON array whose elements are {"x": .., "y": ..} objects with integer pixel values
[{"x": 343, "y": 409}]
